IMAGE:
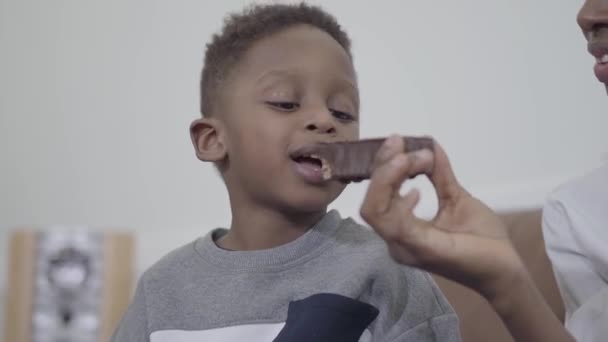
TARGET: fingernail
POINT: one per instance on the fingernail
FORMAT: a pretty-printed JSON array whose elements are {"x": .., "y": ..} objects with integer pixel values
[
  {"x": 424, "y": 155},
  {"x": 392, "y": 141},
  {"x": 398, "y": 160}
]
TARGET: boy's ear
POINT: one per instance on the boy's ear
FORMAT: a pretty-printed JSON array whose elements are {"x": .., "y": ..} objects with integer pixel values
[{"x": 208, "y": 139}]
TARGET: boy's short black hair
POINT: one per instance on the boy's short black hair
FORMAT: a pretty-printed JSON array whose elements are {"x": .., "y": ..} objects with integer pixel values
[{"x": 243, "y": 29}]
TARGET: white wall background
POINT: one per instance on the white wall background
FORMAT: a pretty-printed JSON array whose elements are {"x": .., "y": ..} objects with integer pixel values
[{"x": 96, "y": 98}]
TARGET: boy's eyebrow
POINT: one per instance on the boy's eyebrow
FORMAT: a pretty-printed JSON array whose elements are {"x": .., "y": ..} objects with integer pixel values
[
  {"x": 345, "y": 83},
  {"x": 275, "y": 73},
  {"x": 272, "y": 78},
  {"x": 290, "y": 74}
]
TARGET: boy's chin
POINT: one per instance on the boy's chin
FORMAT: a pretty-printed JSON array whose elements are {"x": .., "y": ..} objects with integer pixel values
[{"x": 313, "y": 201}]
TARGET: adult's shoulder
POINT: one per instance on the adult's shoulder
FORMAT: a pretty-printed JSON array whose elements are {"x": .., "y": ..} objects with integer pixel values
[
  {"x": 588, "y": 188},
  {"x": 576, "y": 212}
]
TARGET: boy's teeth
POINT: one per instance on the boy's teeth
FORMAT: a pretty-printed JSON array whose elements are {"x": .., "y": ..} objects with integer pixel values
[{"x": 604, "y": 59}]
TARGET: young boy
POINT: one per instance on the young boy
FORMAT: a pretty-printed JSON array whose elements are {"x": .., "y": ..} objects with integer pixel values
[{"x": 277, "y": 79}]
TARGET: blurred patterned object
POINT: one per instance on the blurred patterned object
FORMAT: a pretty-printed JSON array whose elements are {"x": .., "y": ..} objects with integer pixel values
[{"x": 67, "y": 284}]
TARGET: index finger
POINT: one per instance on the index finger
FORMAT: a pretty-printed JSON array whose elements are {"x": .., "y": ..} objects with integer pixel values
[
  {"x": 387, "y": 179},
  {"x": 392, "y": 146},
  {"x": 443, "y": 178}
]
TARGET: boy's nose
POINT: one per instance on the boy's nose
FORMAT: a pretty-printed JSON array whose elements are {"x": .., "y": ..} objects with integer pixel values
[
  {"x": 593, "y": 16},
  {"x": 322, "y": 122}
]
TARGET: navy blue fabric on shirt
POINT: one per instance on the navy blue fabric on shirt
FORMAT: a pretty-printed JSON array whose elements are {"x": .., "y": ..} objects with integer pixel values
[{"x": 326, "y": 318}]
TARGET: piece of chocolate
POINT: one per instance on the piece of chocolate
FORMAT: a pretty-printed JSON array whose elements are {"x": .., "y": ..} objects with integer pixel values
[{"x": 352, "y": 161}]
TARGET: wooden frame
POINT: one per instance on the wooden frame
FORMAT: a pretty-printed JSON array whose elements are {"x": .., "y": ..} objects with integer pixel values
[{"x": 118, "y": 275}]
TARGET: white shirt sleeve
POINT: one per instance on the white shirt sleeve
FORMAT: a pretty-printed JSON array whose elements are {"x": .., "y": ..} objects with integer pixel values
[
  {"x": 589, "y": 322},
  {"x": 575, "y": 229},
  {"x": 575, "y": 273}
]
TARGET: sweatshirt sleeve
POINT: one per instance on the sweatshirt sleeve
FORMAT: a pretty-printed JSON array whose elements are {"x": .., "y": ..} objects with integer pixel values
[{"x": 412, "y": 308}]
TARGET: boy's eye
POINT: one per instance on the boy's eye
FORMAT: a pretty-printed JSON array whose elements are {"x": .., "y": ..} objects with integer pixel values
[
  {"x": 342, "y": 115},
  {"x": 284, "y": 106}
]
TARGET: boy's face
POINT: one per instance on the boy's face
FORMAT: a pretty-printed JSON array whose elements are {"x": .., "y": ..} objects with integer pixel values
[
  {"x": 593, "y": 20},
  {"x": 292, "y": 89}
]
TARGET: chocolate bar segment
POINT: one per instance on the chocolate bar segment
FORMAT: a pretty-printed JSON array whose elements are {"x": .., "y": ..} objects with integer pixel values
[{"x": 352, "y": 161}]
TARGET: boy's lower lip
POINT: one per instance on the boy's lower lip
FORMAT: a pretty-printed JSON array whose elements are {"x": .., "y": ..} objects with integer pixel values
[
  {"x": 601, "y": 72},
  {"x": 310, "y": 173}
]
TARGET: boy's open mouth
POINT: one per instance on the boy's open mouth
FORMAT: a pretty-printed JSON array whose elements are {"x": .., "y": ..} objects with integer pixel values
[
  {"x": 310, "y": 165},
  {"x": 309, "y": 160}
]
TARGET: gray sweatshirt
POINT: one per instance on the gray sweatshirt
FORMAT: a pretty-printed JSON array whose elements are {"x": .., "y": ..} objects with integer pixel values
[{"x": 336, "y": 282}]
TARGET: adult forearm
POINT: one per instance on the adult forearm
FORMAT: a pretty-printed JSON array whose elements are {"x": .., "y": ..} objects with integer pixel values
[{"x": 526, "y": 314}]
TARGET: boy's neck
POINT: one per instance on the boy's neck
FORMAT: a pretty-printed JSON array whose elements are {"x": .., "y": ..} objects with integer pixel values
[{"x": 262, "y": 228}]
